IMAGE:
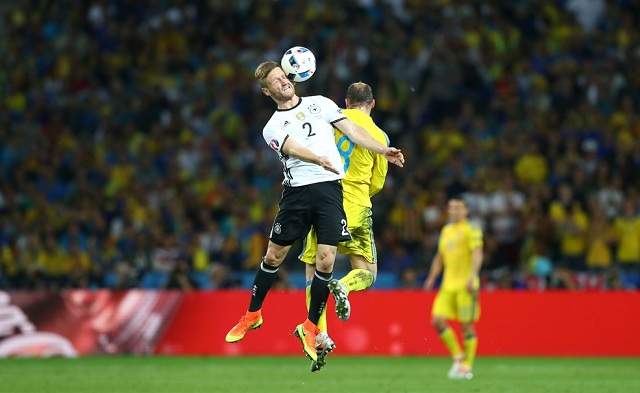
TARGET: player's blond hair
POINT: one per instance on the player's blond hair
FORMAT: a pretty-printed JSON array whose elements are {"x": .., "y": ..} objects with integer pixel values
[
  {"x": 359, "y": 93},
  {"x": 263, "y": 70}
]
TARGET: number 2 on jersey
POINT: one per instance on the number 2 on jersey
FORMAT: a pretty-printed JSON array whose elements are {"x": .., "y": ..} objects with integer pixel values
[
  {"x": 308, "y": 125},
  {"x": 345, "y": 147}
]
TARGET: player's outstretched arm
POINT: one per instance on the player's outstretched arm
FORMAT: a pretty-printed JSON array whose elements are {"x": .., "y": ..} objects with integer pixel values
[
  {"x": 434, "y": 272},
  {"x": 361, "y": 137},
  {"x": 294, "y": 149}
]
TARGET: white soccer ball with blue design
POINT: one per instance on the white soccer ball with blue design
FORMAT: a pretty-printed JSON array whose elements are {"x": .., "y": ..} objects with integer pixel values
[{"x": 298, "y": 63}]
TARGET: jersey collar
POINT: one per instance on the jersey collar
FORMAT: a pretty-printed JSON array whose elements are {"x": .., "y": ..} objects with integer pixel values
[{"x": 293, "y": 107}]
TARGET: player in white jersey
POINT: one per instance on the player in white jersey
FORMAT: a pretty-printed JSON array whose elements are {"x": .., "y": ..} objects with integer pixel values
[
  {"x": 301, "y": 132},
  {"x": 309, "y": 122}
]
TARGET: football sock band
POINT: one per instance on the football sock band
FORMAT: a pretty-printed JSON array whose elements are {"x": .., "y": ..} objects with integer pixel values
[
  {"x": 265, "y": 277},
  {"x": 322, "y": 322},
  {"x": 319, "y": 293},
  {"x": 470, "y": 347},
  {"x": 448, "y": 337},
  {"x": 357, "y": 280}
]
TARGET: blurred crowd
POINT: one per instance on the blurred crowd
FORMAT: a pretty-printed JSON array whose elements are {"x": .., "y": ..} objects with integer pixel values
[{"x": 131, "y": 152}]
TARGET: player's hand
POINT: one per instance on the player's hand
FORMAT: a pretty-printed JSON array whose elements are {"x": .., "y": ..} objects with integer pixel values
[
  {"x": 326, "y": 164},
  {"x": 428, "y": 284},
  {"x": 394, "y": 156}
]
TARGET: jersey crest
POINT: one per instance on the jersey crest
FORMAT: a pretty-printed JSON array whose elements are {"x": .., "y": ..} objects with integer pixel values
[{"x": 314, "y": 109}]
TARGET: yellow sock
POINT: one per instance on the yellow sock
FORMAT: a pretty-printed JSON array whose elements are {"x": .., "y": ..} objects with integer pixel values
[
  {"x": 470, "y": 346},
  {"x": 449, "y": 339},
  {"x": 322, "y": 322},
  {"x": 357, "y": 280}
]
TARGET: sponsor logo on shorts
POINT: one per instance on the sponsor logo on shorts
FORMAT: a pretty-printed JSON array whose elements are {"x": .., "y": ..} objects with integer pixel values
[{"x": 274, "y": 144}]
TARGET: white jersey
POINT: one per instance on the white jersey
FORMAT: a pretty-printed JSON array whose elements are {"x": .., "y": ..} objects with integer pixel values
[{"x": 310, "y": 123}]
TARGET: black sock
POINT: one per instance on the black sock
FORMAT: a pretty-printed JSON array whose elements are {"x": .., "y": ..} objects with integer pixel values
[
  {"x": 265, "y": 277},
  {"x": 319, "y": 295}
]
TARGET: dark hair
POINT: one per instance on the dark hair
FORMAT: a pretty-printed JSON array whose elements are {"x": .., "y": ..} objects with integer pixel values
[
  {"x": 263, "y": 70},
  {"x": 359, "y": 93}
]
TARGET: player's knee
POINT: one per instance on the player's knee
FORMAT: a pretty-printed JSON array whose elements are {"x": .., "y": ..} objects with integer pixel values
[
  {"x": 468, "y": 329},
  {"x": 439, "y": 324},
  {"x": 325, "y": 258},
  {"x": 273, "y": 258}
]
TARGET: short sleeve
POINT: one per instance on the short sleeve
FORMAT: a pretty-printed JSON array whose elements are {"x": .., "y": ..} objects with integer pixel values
[
  {"x": 475, "y": 238},
  {"x": 275, "y": 137},
  {"x": 330, "y": 111}
]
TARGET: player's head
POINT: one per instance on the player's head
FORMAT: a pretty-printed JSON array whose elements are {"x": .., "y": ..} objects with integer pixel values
[
  {"x": 457, "y": 210},
  {"x": 274, "y": 82},
  {"x": 360, "y": 96}
]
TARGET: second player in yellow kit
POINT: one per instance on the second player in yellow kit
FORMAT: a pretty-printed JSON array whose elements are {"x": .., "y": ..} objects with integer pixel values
[
  {"x": 364, "y": 177},
  {"x": 455, "y": 300},
  {"x": 365, "y": 174},
  {"x": 460, "y": 256}
]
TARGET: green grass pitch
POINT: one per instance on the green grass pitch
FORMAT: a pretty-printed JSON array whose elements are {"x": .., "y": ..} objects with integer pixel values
[{"x": 291, "y": 374}]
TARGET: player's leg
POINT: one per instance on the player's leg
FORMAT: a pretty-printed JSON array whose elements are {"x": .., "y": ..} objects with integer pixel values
[
  {"x": 319, "y": 292},
  {"x": 470, "y": 344},
  {"x": 322, "y": 275},
  {"x": 362, "y": 254},
  {"x": 330, "y": 224},
  {"x": 291, "y": 223},
  {"x": 362, "y": 275},
  {"x": 448, "y": 337},
  {"x": 361, "y": 249},
  {"x": 468, "y": 313},
  {"x": 265, "y": 276},
  {"x": 324, "y": 343},
  {"x": 309, "y": 274},
  {"x": 443, "y": 310},
  {"x": 308, "y": 257}
]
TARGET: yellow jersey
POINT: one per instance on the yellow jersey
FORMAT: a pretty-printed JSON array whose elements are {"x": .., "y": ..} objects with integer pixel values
[
  {"x": 457, "y": 241},
  {"x": 573, "y": 241},
  {"x": 365, "y": 171},
  {"x": 628, "y": 235}
]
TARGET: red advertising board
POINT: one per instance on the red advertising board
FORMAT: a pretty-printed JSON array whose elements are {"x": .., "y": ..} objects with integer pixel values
[{"x": 398, "y": 323}]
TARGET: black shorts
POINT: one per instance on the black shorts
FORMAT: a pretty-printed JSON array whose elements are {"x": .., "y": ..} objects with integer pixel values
[{"x": 318, "y": 205}]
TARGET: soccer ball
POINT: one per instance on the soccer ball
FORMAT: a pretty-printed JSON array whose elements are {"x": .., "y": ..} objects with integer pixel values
[{"x": 298, "y": 63}]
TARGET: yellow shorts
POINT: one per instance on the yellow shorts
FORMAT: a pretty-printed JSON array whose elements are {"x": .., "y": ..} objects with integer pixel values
[
  {"x": 462, "y": 305},
  {"x": 360, "y": 224}
]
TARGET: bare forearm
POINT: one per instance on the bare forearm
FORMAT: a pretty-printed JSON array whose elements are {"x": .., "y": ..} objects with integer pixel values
[
  {"x": 294, "y": 149},
  {"x": 436, "y": 267},
  {"x": 476, "y": 260}
]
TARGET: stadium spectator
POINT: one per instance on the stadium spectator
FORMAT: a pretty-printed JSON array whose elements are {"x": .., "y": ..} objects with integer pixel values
[{"x": 129, "y": 134}]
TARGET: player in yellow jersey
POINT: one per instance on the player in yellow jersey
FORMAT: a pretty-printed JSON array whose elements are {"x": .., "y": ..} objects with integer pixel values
[
  {"x": 460, "y": 254},
  {"x": 365, "y": 174}
]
